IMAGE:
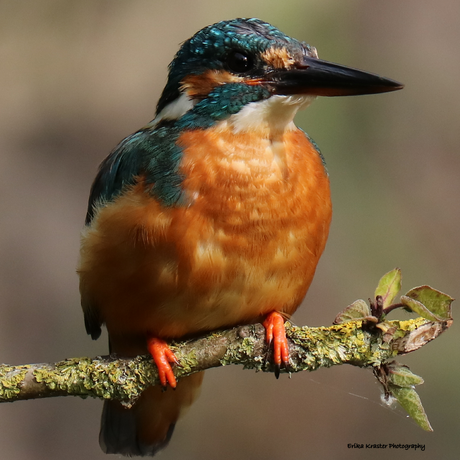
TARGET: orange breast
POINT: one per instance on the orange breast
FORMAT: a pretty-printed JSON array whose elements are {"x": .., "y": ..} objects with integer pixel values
[{"x": 247, "y": 242}]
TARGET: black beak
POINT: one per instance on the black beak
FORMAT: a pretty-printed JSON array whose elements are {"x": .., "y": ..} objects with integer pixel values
[{"x": 322, "y": 78}]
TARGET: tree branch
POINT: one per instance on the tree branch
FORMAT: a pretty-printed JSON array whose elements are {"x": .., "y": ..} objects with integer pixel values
[
  {"x": 360, "y": 336},
  {"x": 359, "y": 343}
]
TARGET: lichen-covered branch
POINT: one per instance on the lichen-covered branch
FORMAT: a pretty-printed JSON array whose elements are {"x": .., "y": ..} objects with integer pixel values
[
  {"x": 359, "y": 343},
  {"x": 361, "y": 336}
]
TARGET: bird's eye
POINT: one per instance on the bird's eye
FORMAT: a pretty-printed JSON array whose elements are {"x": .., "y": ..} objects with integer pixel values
[{"x": 239, "y": 61}]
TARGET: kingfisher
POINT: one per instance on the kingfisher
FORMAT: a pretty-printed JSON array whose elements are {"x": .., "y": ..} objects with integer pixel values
[{"x": 213, "y": 215}]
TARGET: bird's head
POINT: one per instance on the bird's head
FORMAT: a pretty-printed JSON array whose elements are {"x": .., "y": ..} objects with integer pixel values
[{"x": 249, "y": 64}]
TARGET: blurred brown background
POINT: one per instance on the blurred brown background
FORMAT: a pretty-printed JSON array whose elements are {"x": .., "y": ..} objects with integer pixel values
[{"x": 77, "y": 76}]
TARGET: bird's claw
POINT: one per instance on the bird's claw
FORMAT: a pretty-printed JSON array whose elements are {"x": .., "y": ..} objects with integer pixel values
[
  {"x": 275, "y": 334},
  {"x": 163, "y": 356}
]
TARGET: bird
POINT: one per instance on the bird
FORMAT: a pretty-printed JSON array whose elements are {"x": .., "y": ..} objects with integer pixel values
[{"x": 214, "y": 214}]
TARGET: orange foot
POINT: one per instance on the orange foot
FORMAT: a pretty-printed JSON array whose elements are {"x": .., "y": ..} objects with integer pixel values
[
  {"x": 275, "y": 332},
  {"x": 162, "y": 356}
]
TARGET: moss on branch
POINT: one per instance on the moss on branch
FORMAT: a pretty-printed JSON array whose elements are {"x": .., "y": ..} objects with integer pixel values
[
  {"x": 361, "y": 336},
  {"x": 310, "y": 348}
]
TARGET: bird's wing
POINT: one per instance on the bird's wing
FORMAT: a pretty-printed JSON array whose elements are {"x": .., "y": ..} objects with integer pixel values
[
  {"x": 153, "y": 156},
  {"x": 117, "y": 171}
]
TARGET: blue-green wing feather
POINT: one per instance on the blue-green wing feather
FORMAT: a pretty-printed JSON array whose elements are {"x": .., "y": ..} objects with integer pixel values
[
  {"x": 151, "y": 154},
  {"x": 117, "y": 171}
]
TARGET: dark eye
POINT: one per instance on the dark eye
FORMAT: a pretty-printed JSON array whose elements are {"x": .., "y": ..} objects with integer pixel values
[{"x": 239, "y": 61}]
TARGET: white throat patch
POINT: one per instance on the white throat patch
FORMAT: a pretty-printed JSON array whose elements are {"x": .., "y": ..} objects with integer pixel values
[{"x": 275, "y": 114}]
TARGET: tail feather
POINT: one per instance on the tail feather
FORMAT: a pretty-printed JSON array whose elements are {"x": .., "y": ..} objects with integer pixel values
[
  {"x": 118, "y": 433},
  {"x": 147, "y": 427}
]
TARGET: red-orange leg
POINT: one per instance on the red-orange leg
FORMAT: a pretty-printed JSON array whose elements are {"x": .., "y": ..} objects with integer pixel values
[
  {"x": 163, "y": 356},
  {"x": 276, "y": 333}
]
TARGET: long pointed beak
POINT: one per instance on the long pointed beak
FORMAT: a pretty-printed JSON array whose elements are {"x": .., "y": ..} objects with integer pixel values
[{"x": 322, "y": 78}]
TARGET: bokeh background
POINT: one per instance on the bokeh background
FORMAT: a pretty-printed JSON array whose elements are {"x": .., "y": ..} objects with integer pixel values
[{"x": 78, "y": 76}]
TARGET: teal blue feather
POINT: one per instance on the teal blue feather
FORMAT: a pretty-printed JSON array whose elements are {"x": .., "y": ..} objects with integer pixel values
[
  {"x": 153, "y": 154},
  {"x": 220, "y": 103},
  {"x": 208, "y": 49}
]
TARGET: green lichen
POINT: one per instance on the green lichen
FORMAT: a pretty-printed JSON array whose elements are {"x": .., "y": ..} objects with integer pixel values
[
  {"x": 10, "y": 380},
  {"x": 328, "y": 346},
  {"x": 122, "y": 379},
  {"x": 187, "y": 361},
  {"x": 348, "y": 343},
  {"x": 237, "y": 352}
]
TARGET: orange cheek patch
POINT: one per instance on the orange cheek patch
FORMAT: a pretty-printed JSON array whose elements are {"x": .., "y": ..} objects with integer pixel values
[{"x": 199, "y": 86}]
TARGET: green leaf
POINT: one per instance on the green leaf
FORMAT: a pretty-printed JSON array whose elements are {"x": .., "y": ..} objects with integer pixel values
[
  {"x": 435, "y": 302},
  {"x": 358, "y": 310},
  {"x": 402, "y": 376},
  {"x": 410, "y": 401},
  {"x": 389, "y": 286},
  {"x": 418, "y": 308}
]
